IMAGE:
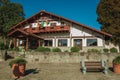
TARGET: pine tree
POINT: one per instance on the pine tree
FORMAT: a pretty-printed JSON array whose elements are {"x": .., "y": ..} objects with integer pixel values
[
  {"x": 10, "y": 14},
  {"x": 109, "y": 17}
]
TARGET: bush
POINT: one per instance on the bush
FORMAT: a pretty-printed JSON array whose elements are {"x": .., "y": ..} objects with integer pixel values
[
  {"x": 43, "y": 49},
  {"x": 105, "y": 50},
  {"x": 56, "y": 50},
  {"x": 40, "y": 49},
  {"x": 66, "y": 51},
  {"x": 16, "y": 49},
  {"x": 17, "y": 61},
  {"x": 75, "y": 49},
  {"x": 2, "y": 47},
  {"x": 116, "y": 60},
  {"x": 113, "y": 50},
  {"x": 47, "y": 50},
  {"x": 93, "y": 50}
]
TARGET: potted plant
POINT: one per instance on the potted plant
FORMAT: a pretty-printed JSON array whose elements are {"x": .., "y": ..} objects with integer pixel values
[
  {"x": 18, "y": 67},
  {"x": 116, "y": 65}
]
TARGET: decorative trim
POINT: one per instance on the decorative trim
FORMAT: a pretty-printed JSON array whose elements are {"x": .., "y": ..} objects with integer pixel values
[{"x": 83, "y": 37}]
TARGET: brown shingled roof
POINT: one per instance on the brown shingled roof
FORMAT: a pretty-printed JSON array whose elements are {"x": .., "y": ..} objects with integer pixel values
[
  {"x": 25, "y": 33},
  {"x": 89, "y": 28}
]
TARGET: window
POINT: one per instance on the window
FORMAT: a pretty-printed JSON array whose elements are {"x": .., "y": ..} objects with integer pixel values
[
  {"x": 91, "y": 42},
  {"x": 62, "y": 23},
  {"x": 62, "y": 42},
  {"x": 53, "y": 24},
  {"x": 77, "y": 42},
  {"x": 48, "y": 42}
]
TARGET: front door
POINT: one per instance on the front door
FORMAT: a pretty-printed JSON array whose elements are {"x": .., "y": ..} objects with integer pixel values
[
  {"x": 78, "y": 43},
  {"x": 33, "y": 44}
]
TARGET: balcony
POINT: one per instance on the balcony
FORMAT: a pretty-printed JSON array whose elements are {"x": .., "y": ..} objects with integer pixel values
[{"x": 48, "y": 29}]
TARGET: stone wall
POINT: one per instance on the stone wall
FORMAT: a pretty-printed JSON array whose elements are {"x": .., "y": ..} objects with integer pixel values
[
  {"x": 63, "y": 57},
  {"x": 2, "y": 55}
]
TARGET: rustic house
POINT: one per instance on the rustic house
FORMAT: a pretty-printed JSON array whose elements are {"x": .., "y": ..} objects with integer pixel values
[{"x": 50, "y": 30}]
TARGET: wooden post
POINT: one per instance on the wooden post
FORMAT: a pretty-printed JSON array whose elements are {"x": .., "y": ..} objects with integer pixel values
[
  {"x": 38, "y": 42},
  {"x": 26, "y": 43},
  {"x": 54, "y": 42},
  {"x": 14, "y": 42}
]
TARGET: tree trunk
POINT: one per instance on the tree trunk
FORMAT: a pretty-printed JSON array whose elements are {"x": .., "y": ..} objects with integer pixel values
[
  {"x": 4, "y": 40},
  {"x": 4, "y": 52},
  {"x": 10, "y": 43}
]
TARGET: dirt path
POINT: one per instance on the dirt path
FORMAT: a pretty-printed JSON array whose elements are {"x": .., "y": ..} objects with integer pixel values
[{"x": 39, "y": 71}]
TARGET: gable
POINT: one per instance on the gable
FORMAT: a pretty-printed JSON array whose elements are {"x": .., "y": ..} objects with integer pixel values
[
  {"x": 44, "y": 16},
  {"x": 79, "y": 31}
]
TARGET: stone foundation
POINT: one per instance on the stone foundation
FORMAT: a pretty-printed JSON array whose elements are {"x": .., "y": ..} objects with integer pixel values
[{"x": 63, "y": 57}]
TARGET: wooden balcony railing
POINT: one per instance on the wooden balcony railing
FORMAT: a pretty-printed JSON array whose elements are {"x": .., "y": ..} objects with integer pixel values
[{"x": 48, "y": 29}]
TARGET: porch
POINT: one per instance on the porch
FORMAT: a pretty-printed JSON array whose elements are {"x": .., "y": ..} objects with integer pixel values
[{"x": 25, "y": 39}]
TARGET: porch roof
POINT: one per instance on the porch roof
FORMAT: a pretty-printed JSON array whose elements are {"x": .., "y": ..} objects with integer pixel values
[{"x": 18, "y": 33}]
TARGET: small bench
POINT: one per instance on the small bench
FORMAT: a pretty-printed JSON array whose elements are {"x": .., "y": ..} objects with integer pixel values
[{"x": 93, "y": 66}]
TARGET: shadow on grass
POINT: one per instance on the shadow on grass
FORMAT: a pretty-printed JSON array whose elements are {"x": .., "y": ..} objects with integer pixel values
[
  {"x": 9, "y": 57},
  {"x": 32, "y": 71},
  {"x": 111, "y": 69}
]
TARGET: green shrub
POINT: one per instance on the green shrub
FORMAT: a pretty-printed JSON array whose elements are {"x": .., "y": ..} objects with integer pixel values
[
  {"x": 75, "y": 49},
  {"x": 56, "y": 50},
  {"x": 2, "y": 47},
  {"x": 93, "y": 50},
  {"x": 105, "y": 50},
  {"x": 6, "y": 46},
  {"x": 43, "y": 49},
  {"x": 116, "y": 60},
  {"x": 66, "y": 51},
  {"x": 47, "y": 50},
  {"x": 113, "y": 50},
  {"x": 16, "y": 49},
  {"x": 10, "y": 49},
  {"x": 17, "y": 61}
]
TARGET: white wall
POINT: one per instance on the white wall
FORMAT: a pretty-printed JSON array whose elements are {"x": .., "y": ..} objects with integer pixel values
[
  {"x": 100, "y": 42},
  {"x": 34, "y": 25},
  {"x": 79, "y": 32},
  {"x": 84, "y": 42},
  {"x": 27, "y": 26}
]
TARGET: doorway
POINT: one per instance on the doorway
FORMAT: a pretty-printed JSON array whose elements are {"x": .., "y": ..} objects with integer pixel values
[{"x": 78, "y": 43}]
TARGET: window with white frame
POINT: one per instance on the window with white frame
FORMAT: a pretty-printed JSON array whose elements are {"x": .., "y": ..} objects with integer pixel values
[
  {"x": 48, "y": 42},
  {"x": 77, "y": 42},
  {"x": 91, "y": 42},
  {"x": 62, "y": 42}
]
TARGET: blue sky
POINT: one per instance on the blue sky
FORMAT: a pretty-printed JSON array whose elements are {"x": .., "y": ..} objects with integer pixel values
[{"x": 82, "y": 11}]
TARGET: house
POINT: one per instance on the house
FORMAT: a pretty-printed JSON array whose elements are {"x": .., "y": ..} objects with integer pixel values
[{"x": 50, "y": 30}]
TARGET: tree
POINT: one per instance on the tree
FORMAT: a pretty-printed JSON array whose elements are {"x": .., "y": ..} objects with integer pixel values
[
  {"x": 109, "y": 17},
  {"x": 10, "y": 14}
]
